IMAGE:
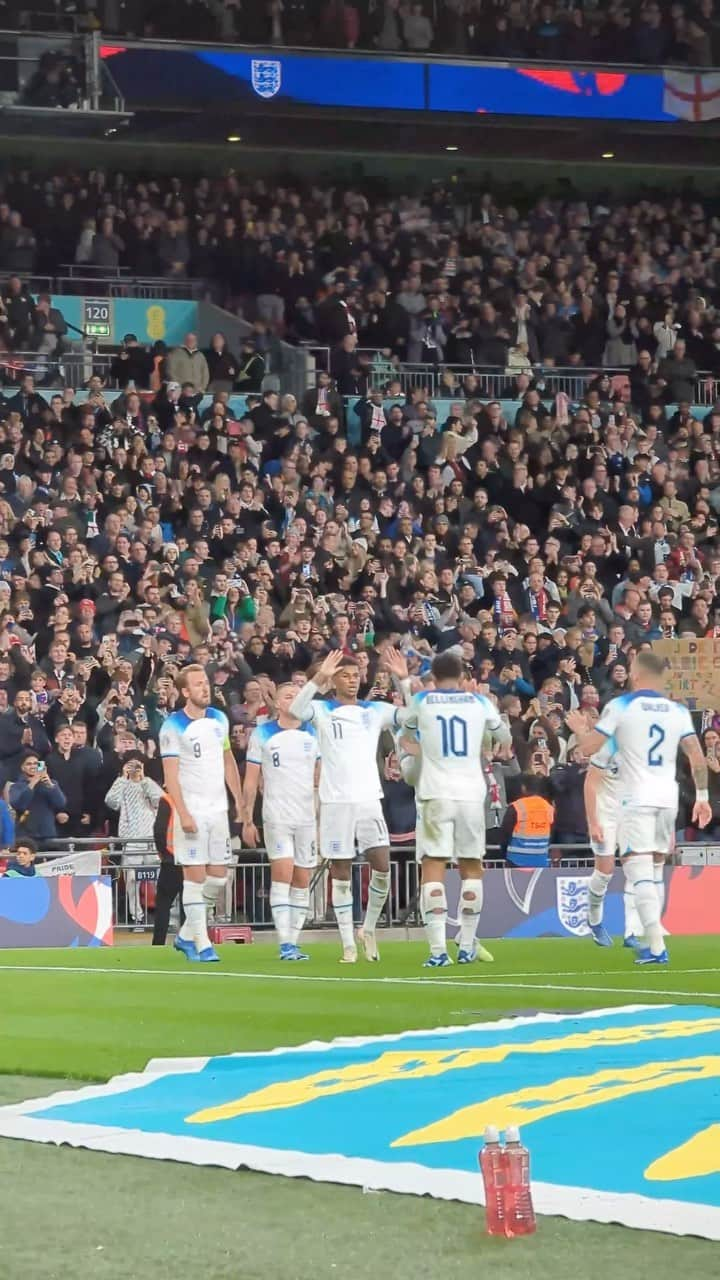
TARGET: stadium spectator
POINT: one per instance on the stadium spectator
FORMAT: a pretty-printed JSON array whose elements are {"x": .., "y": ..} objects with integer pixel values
[
  {"x": 70, "y": 771},
  {"x": 22, "y": 859},
  {"x": 136, "y": 800},
  {"x": 223, "y": 366},
  {"x": 20, "y": 731},
  {"x": 647, "y": 33},
  {"x": 187, "y": 364},
  {"x": 36, "y": 801}
]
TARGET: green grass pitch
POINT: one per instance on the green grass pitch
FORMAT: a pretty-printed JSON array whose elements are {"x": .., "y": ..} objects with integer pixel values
[{"x": 89, "y": 1015}]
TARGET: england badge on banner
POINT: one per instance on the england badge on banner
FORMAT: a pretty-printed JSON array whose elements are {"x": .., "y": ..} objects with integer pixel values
[
  {"x": 266, "y": 77},
  {"x": 572, "y": 903}
]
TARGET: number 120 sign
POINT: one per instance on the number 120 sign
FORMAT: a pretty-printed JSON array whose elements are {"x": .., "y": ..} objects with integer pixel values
[{"x": 98, "y": 317}]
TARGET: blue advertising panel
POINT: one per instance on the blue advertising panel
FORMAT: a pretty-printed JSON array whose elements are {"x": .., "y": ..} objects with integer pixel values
[
  {"x": 177, "y": 76},
  {"x": 172, "y": 76},
  {"x": 530, "y": 91}
]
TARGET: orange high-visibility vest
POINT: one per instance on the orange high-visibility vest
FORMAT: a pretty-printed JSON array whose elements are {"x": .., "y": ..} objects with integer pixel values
[{"x": 529, "y": 844}]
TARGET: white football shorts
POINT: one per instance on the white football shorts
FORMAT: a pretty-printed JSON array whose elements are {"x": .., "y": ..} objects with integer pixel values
[
  {"x": 343, "y": 827},
  {"x": 297, "y": 843},
  {"x": 449, "y": 830},
  {"x": 646, "y": 830},
  {"x": 209, "y": 844},
  {"x": 608, "y": 817}
]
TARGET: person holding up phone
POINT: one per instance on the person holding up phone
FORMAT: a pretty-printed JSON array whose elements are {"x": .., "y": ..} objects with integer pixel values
[
  {"x": 36, "y": 801},
  {"x": 136, "y": 798}
]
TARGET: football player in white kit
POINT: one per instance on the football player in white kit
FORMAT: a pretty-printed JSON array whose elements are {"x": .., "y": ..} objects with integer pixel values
[
  {"x": 451, "y": 724},
  {"x": 350, "y": 790},
  {"x": 198, "y": 766},
  {"x": 648, "y": 730},
  {"x": 602, "y": 797},
  {"x": 285, "y": 755}
]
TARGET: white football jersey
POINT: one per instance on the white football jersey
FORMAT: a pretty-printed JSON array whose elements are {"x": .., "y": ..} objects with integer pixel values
[
  {"x": 199, "y": 745},
  {"x": 451, "y": 726},
  {"x": 348, "y": 735},
  {"x": 287, "y": 758},
  {"x": 647, "y": 729}
]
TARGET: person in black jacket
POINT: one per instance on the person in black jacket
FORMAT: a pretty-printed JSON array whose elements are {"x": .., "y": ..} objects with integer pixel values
[
  {"x": 132, "y": 363},
  {"x": 36, "y": 800},
  {"x": 566, "y": 786},
  {"x": 222, "y": 365},
  {"x": 70, "y": 770},
  {"x": 19, "y": 732},
  {"x": 170, "y": 877}
]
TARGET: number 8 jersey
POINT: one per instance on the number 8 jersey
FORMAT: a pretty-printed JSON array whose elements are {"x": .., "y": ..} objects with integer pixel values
[
  {"x": 451, "y": 726},
  {"x": 647, "y": 729}
]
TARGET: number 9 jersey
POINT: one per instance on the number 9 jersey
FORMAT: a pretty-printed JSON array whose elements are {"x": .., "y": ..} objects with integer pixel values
[
  {"x": 199, "y": 746},
  {"x": 451, "y": 726},
  {"x": 647, "y": 729}
]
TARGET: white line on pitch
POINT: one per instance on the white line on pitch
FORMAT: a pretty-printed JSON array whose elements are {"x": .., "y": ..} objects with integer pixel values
[{"x": 478, "y": 986}]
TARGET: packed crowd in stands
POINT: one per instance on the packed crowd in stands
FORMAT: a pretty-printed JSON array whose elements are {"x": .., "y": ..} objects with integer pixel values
[
  {"x": 641, "y": 31},
  {"x": 149, "y": 518},
  {"x": 449, "y": 276},
  {"x": 140, "y": 532}
]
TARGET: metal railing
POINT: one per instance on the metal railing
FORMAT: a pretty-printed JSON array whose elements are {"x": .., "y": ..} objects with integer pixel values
[
  {"x": 445, "y": 381},
  {"x": 71, "y": 368},
  {"x": 134, "y": 867},
  {"x": 85, "y": 280}
]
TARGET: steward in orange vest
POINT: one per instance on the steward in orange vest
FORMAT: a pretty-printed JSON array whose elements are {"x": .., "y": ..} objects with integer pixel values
[{"x": 527, "y": 826}]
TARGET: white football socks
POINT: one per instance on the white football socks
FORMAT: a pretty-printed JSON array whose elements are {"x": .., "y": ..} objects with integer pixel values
[
  {"x": 280, "y": 908},
  {"x": 471, "y": 900},
  {"x": 659, "y": 877},
  {"x": 299, "y": 907},
  {"x": 597, "y": 889},
  {"x": 433, "y": 908},
  {"x": 639, "y": 874},
  {"x": 343, "y": 908},
  {"x": 633, "y": 923},
  {"x": 377, "y": 897},
  {"x": 195, "y": 926},
  {"x": 213, "y": 889}
]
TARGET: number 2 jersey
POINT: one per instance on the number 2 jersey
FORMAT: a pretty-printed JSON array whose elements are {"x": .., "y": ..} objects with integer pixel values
[
  {"x": 451, "y": 726},
  {"x": 199, "y": 746},
  {"x": 646, "y": 729},
  {"x": 287, "y": 758}
]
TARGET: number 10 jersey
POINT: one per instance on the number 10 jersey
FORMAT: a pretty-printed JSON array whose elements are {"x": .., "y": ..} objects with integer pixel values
[{"x": 451, "y": 726}]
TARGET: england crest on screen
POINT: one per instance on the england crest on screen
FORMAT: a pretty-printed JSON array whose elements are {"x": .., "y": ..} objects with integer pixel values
[
  {"x": 266, "y": 77},
  {"x": 572, "y": 903}
]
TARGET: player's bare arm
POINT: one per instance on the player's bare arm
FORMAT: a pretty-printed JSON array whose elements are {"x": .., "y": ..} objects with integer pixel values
[
  {"x": 325, "y": 674},
  {"x": 588, "y": 740},
  {"x": 593, "y": 780},
  {"x": 250, "y": 790},
  {"x": 702, "y": 813},
  {"x": 232, "y": 780},
  {"x": 301, "y": 708},
  {"x": 394, "y": 662},
  {"x": 171, "y": 766}
]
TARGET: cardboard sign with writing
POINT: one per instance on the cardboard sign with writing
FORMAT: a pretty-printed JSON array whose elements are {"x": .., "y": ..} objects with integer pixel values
[{"x": 693, "y": 671}]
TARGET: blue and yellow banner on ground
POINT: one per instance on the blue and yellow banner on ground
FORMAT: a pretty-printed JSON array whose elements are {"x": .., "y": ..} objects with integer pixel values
[{"x": 620, "y": 1110}]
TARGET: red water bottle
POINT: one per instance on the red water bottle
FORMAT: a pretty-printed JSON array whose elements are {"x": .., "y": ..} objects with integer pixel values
[
  {"x": 519, "y": 1213},
  {"x": 492, "y": 1164}
]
